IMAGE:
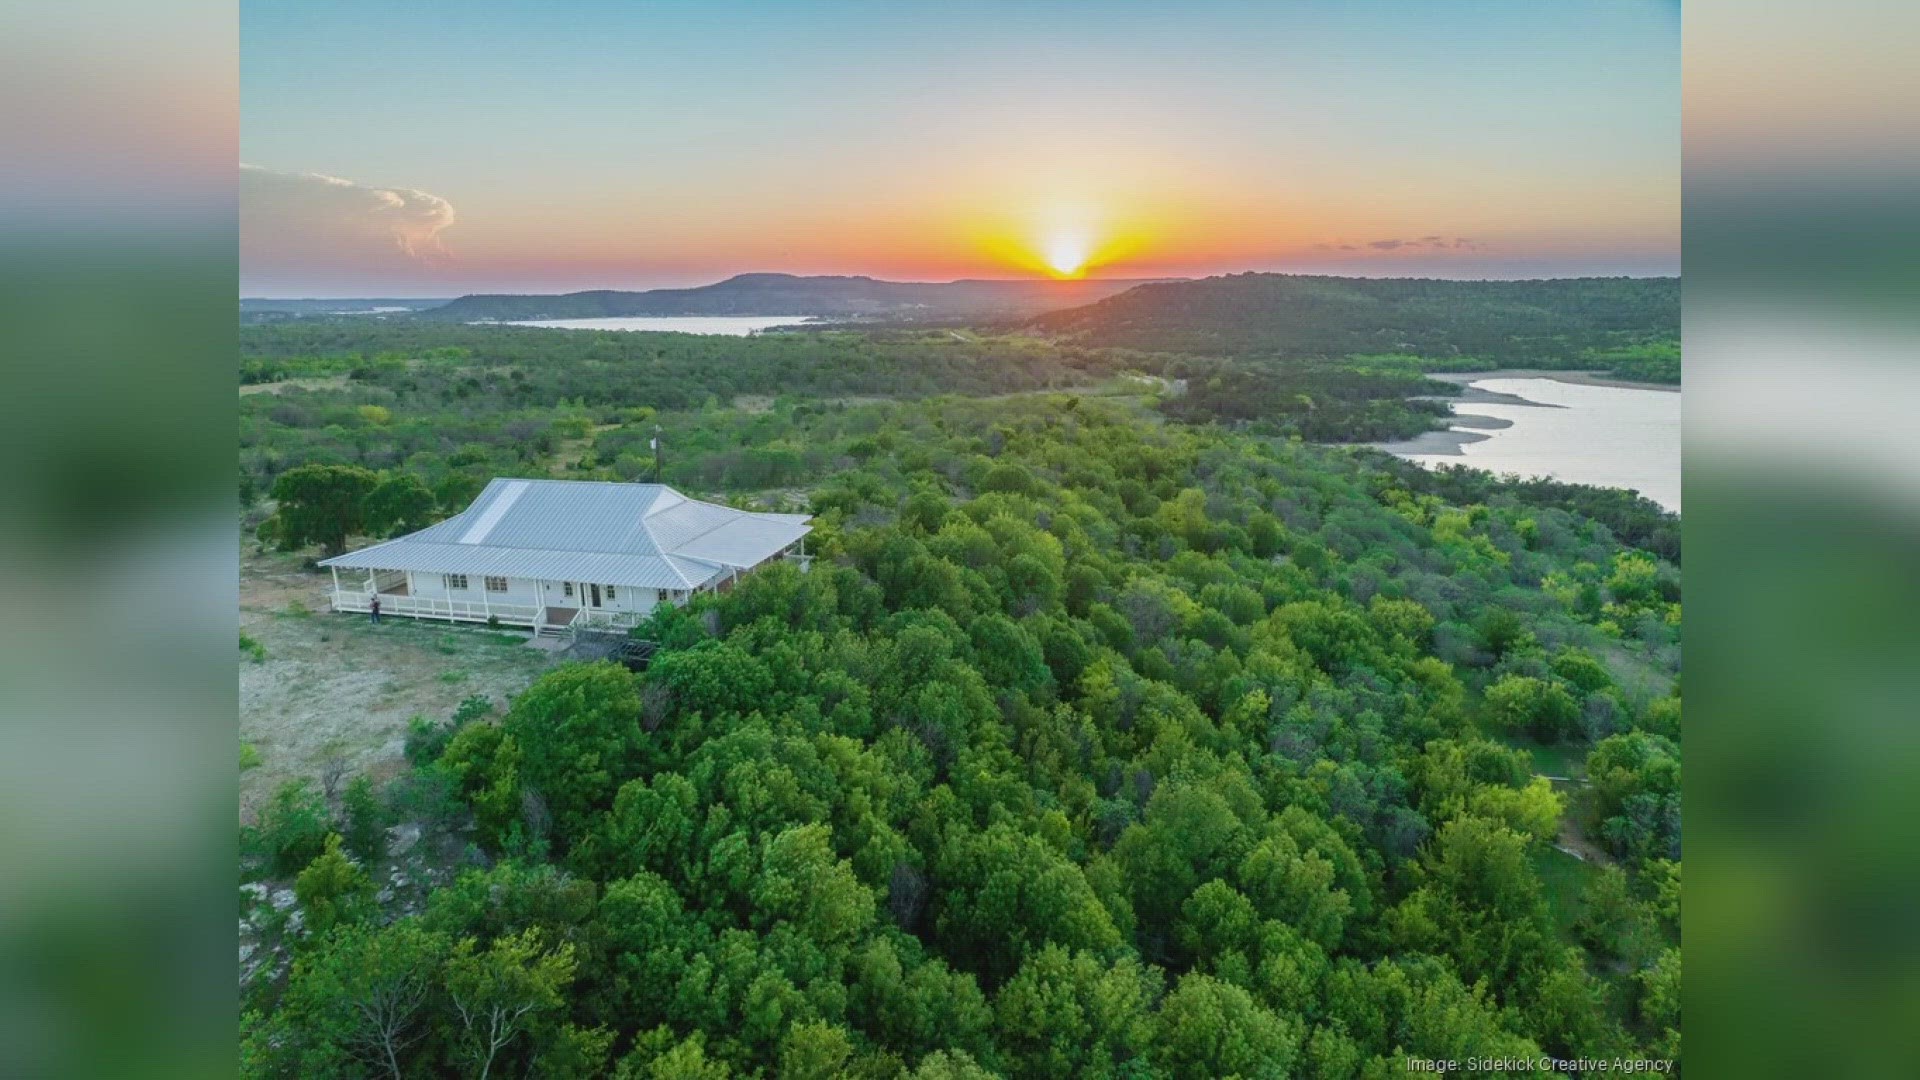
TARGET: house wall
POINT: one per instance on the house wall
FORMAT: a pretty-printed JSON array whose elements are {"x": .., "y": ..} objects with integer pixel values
[
  {"x": 530, "y": 591},
  {"x": 519, "y": 590}
]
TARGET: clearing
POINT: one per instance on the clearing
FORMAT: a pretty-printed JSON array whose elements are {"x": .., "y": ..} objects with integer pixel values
[{"x": 334, "y": 690}]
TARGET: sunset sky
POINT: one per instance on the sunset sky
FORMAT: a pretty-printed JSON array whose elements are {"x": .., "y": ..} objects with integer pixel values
[{"x": 431, "y": 150}]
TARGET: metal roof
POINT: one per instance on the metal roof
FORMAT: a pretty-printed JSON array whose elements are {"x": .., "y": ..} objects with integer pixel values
[{"x": 641, "y": 535}]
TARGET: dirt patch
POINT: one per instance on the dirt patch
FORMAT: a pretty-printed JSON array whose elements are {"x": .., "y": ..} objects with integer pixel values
[
  {"x": 329, "y": 382},
  {"x": 333, "y": 688}
]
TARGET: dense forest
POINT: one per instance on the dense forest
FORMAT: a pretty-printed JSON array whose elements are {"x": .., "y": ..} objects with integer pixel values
[
  {"x": 1109, "y": 733},
  {"x": 1631, "y": 325}
]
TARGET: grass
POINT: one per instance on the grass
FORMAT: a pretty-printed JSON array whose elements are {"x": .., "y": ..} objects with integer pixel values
[
  {"x": 452, "y": 677},
  {"x": 1559, "y": 760},
  {"x": 1563, "y": 881},
  {"x": 253, "y": 648},
  {"x": 249, "y": 756}
]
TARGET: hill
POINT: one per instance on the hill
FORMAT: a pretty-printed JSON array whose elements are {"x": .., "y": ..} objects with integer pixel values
[
  {"x": 790, "y": 294},
  {"x": 1287, "y": 315}
]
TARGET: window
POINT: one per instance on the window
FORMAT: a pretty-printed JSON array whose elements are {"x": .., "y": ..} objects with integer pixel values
[
  {"x": 566, "y": 587},
  {"x": 496, "y": 584},
  {"x": 609, "y": 594},
  {"x": 455, "y": 581},
  {"x": 664, "y": 596}
]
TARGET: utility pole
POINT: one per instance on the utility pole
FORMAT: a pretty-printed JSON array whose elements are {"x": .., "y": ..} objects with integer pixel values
[{"x": 655, "y": 443}]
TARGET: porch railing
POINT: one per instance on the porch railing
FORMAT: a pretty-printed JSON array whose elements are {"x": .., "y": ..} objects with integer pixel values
[{"x": 436, "y": 608}]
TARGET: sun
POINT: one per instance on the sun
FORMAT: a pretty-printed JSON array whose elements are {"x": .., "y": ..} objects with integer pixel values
[{"x": 1067, "y": 256}]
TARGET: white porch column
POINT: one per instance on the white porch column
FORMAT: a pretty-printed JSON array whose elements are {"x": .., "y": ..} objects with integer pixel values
[{"x": 336, "y": 587}]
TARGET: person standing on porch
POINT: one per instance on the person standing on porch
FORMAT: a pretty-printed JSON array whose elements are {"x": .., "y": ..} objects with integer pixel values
[{"x": 373, "y": 609}]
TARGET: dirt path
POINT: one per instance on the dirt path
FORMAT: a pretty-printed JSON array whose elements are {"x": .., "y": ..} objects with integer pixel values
[
  {"x": 326, "y": 382},
  {"x": 335, "y": 687}
]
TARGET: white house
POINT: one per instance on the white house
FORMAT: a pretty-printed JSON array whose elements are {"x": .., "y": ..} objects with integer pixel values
[{"x": 564, "y": 554}]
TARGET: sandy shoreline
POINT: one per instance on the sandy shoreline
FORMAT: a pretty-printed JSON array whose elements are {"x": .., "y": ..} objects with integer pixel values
[
  {"x": 1577, "y": 378},
  {"x": 1446, "y": 443}
]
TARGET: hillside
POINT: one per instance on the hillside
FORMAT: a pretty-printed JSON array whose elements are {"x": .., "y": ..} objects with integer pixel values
[
  {"x": 1287, "y": 316},
  {"x": 789, "y": 294}
]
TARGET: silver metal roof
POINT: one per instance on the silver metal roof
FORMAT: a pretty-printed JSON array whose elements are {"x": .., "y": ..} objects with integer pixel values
[{"x": 641, "y": 535}]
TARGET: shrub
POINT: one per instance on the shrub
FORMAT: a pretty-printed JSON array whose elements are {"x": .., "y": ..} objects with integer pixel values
[
  {"x": 333, "y": 890},
  {"x": 1521, "y": 704},
  {"x": 291, "y": 830},
  {"x": 363, "y": 820}
]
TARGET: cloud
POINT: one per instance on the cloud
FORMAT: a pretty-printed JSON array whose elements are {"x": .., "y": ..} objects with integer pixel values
[
  {"x": 1428, "y": 243},
  {"x": 290, "y": 219}
]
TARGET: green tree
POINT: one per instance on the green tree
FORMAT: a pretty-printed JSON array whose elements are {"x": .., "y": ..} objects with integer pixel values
[
  {"x": 1211, "y": 1028},
  {"x": 1069, "y": 1014},
  {"x": 364, "y": 820},
  {"x": 332, "y": 889},
  {"x": 815, "y": 1050},
  {"x": 398, "y": 503},
  {"x": 321, "y": 504},
  {"x": 291, "y": 830},
  {"x": 1478, "y": 901},
  {"x": 578, "y": 731},
  {"x": 1523, "y": 705},
  {"x": 499, "y": 992},
  {"x": 1005, "y": 893},
  {"x": 364, "y": 993},
  {"x": 802, "y": 881}
]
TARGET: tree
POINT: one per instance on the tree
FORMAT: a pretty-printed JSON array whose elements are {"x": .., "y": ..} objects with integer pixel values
[
  {"x": 1211, "y": 1028},
  {"x": 499, "y": 992},
  {"x": 364, "y": 820},
  {"x": 332, "y": 889},
  {"x": 1660, "y": 1000},
  {"x": 815, "y": 1050},
  {"x": 291, "y": 830},
  {"x": 1069, "y": 1014},
  {"x": 1523, "y": 705},
  {"x": 1006, "y": 893},
  {"x": 578, "y": 732},
  {"x": 398, "y": 503},
  {"x": 802, "y": 881},
  {"x": 1636, "y": 778},
  {"x": 1478, "y": 901},
  {"x": 364, "y": 991},
  {"x": 321, "y": 504}
]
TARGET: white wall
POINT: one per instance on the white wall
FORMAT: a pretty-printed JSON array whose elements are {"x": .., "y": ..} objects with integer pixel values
[
  {"x": 519, "y": 590},
  {"x": 536, "y": 593}
]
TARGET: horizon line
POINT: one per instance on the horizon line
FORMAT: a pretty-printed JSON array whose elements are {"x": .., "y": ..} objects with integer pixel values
[{"x": 1149, "y": 279}]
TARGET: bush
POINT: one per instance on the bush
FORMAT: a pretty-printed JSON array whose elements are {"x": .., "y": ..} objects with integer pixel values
[
  {"x": 291, "y": 830},
  {"x": 363, "y": 821},
  {"x": 1521, "y": 704},
  {"x": 427, "y": 740},
  {"x": 332, "y": 890}
]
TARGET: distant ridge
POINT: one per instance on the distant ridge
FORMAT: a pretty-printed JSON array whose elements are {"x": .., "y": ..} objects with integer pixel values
[
  {"x": 791, "y": 294},
  {"x": 1297, "y": 315}
]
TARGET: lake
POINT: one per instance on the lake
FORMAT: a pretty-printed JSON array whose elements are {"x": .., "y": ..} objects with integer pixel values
[
  {"x": 1609, "y": 436},
  {"x": 729, "y": 325}
]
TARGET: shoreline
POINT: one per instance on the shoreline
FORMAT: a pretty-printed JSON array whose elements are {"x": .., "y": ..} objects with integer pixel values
[
  {"x": 1450, "y": 442},
  {"x": 1466, "y": 428},
  {"x": 1576, "y": 378}
]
